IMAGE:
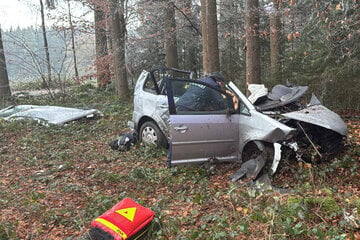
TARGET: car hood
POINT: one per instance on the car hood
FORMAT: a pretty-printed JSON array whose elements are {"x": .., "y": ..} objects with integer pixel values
[
  {"x": 47, "y": 114},
  {"x": 321, "y": 116}
]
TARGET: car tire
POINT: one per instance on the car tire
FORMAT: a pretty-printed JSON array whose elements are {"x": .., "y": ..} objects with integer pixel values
[
  {"x": 250, "y": 152},
  {"x": 150, "y": 133}
]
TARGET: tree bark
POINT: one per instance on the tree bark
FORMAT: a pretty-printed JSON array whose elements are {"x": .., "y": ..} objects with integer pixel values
[
  {"x": 102, "y": 64},
  {"x": 118, "y": 31},
  {"x": 275, "y": 44},
  {"x": 4, "y": 79},
  {"x": 73, "y": 42},
  {"x": 253, "y": 69},
  {"x": 46, "y": 46},
  {"x": 204, "y": 34},
  {"x": 211, "y": 60},
  {"x": 170, "y": 33},
  {"x": 213, "y": 44}
]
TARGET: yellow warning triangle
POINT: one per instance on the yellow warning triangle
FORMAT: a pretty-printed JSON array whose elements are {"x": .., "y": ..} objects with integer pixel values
[{"x": 128, "y": 213}]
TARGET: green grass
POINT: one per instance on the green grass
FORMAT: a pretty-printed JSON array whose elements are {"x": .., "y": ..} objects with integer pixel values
[{"x": 56, "y": 179}]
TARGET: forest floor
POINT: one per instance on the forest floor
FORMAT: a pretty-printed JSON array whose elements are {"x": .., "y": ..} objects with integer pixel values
[{"x": 55, "y": 180}]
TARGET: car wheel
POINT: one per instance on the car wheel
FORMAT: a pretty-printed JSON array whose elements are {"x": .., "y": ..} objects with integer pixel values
[
  {"x": 250, "y": 152},
  {"x": 151, "y": 134},
  {"x": 253, "y": 149}
]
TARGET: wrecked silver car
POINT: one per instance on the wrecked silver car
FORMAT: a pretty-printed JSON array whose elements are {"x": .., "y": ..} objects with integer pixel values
[{"x": 254, "y": 132}]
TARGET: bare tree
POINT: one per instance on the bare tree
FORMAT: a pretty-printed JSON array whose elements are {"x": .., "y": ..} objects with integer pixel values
[
  {"x": 4, "y": 79},
  {"x": 253, "y": 69},
  {"x": 33, "y": 65},
  {"x": 72, "y": 35},
  {"x": 46, "y": 45},
  {"x": 118, "y": 32}
]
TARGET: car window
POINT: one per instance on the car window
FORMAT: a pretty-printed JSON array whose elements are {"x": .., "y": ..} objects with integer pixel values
[
  {"x": 149, "y": 85},
  {"x": 197, "y": 98},
  {"x": 239, "y": 105},
  {"x": 243, "y": 109}
]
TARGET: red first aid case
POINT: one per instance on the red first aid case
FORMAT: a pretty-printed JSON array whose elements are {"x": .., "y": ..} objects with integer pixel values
[{"x": 126, "y": 220}]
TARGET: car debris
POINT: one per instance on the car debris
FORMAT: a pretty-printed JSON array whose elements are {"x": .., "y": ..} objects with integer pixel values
[
  {"x": 261, "y": 185},
  {"x": 47, "y": 114},
  {"x": 250, "y": 168},
  {"x": 316, "y": 125},
  {"x": 125, "y": 141},
  {"x": 255, "y": 131}
]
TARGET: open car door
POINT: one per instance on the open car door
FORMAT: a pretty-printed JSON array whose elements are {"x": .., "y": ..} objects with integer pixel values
[{"x": 202, "y": 127}]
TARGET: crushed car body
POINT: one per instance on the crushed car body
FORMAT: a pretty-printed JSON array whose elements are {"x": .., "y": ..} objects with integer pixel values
[
  {"x": 238, "y": 128},
  {"x": 47, "y": 114}
]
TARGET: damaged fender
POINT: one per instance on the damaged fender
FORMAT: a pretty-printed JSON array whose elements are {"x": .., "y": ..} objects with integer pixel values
[{"x": 320, "y": 116}]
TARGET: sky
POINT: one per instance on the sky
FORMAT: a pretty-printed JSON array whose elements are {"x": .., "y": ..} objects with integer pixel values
[
  {"x": 14, "y": 13},
  {"x": 24, "y": 13}
]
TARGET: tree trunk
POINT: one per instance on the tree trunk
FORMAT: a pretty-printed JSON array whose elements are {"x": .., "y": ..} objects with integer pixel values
[
  {"x": 46, "y": 46},
  {"x": 253, "y": 69},
  {"x": 204, "y": 34},
  {"x": 170, "y": 33},
  {"x": 73, "y": 42},
  {"x": 191, "y": 42},
  {"x": 275, "y": 44},
  {"x": 210, "y": 36},
  {"x": 118, "y": 30},
  {"x": 4, "y": 79},
  {"x": 102, "y": 64}
]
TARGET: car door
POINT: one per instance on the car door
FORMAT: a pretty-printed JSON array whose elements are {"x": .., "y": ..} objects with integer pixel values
[{"x": 206, "y": 132}]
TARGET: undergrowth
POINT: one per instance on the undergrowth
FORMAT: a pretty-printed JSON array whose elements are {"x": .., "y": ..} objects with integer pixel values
[{"x": 56, "y": 179}]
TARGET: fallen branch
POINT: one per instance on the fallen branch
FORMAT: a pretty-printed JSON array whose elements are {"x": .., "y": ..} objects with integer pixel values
[{"x": 311, "y": 142}]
